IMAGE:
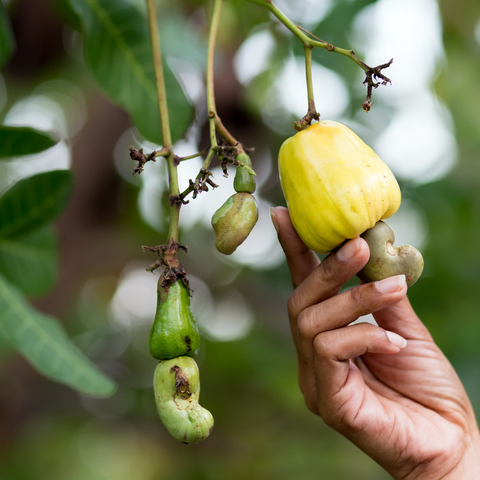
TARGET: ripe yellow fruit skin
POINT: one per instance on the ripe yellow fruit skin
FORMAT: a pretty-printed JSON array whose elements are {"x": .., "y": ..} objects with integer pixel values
[{"x": 335, "y": 185}]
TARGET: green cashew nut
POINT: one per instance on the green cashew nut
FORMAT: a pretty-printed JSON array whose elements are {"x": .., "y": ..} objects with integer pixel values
[
  {"x": 174, "y": 331},
  {"x": 244, "y": 181},
  {"x": 387, "y": 260},
  {"x": 234, "y": 221},
  {"x": 176, "y": 384}
]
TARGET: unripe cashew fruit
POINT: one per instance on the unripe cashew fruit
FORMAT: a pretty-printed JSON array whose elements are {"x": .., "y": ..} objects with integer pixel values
[
  {"x": 244, "y": 181},
  {"x": 176, "y": 384},
  {"x": 387, "y": 260},
  {"x": 335, "y": 186},
  {"x": 234, "y": 221},
  {"x": 174, "y": 331}
]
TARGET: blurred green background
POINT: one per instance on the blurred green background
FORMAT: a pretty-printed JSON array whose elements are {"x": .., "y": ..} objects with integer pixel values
[{"x": 425, "y": 126}]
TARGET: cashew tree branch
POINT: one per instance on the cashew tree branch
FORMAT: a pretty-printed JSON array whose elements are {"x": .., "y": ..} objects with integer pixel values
[{"x": 373, "y": 75}]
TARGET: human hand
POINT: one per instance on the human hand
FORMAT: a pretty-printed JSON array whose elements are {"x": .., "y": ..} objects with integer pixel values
[{"x": 388, "y": 388}]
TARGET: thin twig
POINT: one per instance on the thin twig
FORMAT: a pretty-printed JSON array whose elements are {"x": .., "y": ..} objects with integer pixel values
[
  {"x": 165, "y": 122},
  {"x": 307, "y": 38}
]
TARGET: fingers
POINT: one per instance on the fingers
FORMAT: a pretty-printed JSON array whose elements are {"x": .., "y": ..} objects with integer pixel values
[
  {"x": 341, "y": 310},
  {"x": 327, "y": 279},
  {"x": 300, "y": 259},
  {"x": 342, "y": 385},
  {"x": 337, "y": 312}
]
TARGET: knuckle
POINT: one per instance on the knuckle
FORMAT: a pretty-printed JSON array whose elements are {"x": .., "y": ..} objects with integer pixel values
[
  {"x": 304, "y": 324},
  {"x": 322, "y": 346},
  {"x": 357, "y": 296},
  {"x": 292, "y": 305},
  {"x": 361, "y": 300},
  {"x": 309, "y": 323},
  {"x": 329, "y": 269}
]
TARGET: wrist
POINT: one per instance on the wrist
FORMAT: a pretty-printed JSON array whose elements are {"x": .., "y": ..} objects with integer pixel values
[{"x": 468, "y": 467}]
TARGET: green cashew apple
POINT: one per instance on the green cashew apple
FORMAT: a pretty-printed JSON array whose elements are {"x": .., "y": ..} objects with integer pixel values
[
  {"x": 176, "y": 386},
  {"x": 174, "y": 332},
  {"x": 234, "y": 221},
  {"x": 244, "y": 181},
  {"x": 387, "y": 260}
]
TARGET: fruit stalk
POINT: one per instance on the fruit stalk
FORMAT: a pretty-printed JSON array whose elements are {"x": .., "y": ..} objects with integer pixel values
[
  {"x": 312, "y": 113},
  {"x": 371, "y": 73},
  {"x": 165, "y": 123}
]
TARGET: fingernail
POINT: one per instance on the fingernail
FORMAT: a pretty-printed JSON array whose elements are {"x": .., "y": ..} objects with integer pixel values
[
  {"x": 390, "y": 284},
  {"x": 396, "y": 339},
  {"x": 273, "y": 215},
  {"x": 349, "y": 250}
]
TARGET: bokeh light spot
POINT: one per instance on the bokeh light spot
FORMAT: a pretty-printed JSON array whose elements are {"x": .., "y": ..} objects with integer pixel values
[{"x": 252, "y": 57}]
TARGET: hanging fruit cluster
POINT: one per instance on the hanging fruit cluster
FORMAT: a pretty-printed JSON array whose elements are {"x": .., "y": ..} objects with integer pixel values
[
  {"x": 335, "y": 186},
  {"x": 174, "y": 337}
]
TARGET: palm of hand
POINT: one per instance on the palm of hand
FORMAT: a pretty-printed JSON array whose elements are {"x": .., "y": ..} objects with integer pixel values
[{"x": 413, "y": 400}]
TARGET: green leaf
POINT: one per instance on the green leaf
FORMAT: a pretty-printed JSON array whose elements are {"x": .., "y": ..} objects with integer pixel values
[
  {"x": 23, "y": 141},
  {"x": 33, "y": 202},
  {"x": 44, "y": 344},
  {"x": 120, "y": 57},
  {"x": 30, "y": 262},
  {"x": 7, "y": 41}
]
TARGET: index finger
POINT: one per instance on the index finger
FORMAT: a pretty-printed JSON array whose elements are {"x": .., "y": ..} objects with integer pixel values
[{"x": 301, "y": 260}]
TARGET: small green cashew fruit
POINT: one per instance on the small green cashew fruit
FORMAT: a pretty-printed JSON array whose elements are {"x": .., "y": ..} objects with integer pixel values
[
  {"x": 174, "y": 331},
  {"x": 234, "y": 221},
  {"x": 387, "y": 260},
  {"x": 244, "y": 181},
  {"x": 176, "y": 384}
]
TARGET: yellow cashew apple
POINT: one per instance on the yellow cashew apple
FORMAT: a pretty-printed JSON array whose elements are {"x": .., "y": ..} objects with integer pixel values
[{"x": 335, "y": 185}]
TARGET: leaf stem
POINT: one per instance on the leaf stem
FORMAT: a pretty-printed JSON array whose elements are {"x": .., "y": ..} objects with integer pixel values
[{"x": 165, "y": 123}]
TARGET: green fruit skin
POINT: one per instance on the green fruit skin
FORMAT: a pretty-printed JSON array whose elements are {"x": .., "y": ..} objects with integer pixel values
[
  {"x": 234, "y": 221},
  {"x": 244, "y": 181},
  {"x": 386, "y": 260},
  {"x": 176, "y": 386},
  {"x": 174, "y": 332}
]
